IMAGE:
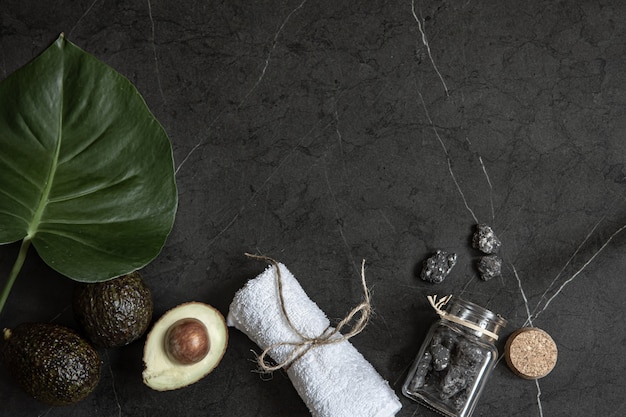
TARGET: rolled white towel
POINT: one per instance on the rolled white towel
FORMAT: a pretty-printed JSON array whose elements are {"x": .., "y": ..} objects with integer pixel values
[{"x": 334, "y": 380}]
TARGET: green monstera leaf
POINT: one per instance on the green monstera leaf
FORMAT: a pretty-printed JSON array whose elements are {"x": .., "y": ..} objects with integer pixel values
[{"x": 86, "y": 171}]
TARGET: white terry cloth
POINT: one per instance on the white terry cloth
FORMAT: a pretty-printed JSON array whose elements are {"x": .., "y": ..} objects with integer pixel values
[{"x": 334, "y": 380}]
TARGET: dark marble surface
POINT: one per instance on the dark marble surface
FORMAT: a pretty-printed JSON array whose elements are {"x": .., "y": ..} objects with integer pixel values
[{"x": 323, "y": 133}]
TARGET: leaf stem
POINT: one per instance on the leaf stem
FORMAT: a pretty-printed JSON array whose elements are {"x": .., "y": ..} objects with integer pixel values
[{"x": 17, "y": 267}]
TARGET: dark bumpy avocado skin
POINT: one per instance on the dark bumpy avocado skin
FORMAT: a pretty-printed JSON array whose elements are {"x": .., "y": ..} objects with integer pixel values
[
  {"x": 116, "y": 312},
  {"x": 50, "y": 362}
]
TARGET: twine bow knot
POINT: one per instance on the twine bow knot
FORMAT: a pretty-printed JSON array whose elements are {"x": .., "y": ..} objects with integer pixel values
[{"x": 329, "y": 336}]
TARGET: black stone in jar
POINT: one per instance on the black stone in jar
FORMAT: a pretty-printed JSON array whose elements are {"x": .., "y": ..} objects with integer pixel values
[
  {"x": 454, "y": 362},
  {"x": 449, "y": 367}
]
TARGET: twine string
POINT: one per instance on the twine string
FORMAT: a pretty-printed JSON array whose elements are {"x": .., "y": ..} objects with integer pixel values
[
  {"x": 356, "y": 320},
  {"x": 438, "y": 305}
]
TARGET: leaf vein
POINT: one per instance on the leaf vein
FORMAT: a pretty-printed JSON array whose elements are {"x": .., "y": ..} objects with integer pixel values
[
  {"x": 11, "y": 214},
  {"x": 9, "y": 165},
  {"x": 92, "y": 190},
  {"x": 18, "y": 201},
  {"x": 88, "y": 244},
  {"x": 84, "y": 222},
  {"x": 86, "y": 146}
]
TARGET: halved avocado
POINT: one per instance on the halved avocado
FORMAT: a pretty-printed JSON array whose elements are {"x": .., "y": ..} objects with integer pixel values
[{"x": 162, "y": 372}]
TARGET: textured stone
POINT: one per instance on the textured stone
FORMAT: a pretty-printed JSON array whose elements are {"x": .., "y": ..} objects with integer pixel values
[
  {"x": 437, "y": 267},
  {"x": 485, "y": 239},
  {"x": 440, "y": 357},
  {"x": 490, "y": 266}
]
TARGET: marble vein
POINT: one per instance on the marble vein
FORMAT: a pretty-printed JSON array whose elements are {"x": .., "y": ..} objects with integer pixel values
[
  {"x": 278, "y": 167},
  {"x": 539, "y": 405},
  {"x": 82, "y": 17},
  {"x": 420, "y": 27},
  {"x": 154, "y": 52},
  {"x": 117, "y": 401},
  {"x": 46, "y": 413},
  {"x": 339, "y": 138},
  {"x": 482, "y": 165},
  {"x": 571, "y": 279},
  {"x": 270, "y": 53},
  {"x": 198, "y": 144},
  {"x": 529, "y": 320},
  {"x": 447, "y": 155},
  {"x": 569, "y": 261},
  {"x": 252, "y": 89},
  {"x": 523, "y": 294}
]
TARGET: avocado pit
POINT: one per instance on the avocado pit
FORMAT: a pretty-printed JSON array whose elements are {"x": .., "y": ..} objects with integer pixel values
[
  {"x": 187, "y": 341},
  {"x": 184, "y": 346}
]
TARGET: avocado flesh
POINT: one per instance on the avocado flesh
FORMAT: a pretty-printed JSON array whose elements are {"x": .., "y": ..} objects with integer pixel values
[
  {"x": 50, "y": 362},
  {"x": 161, "y": 373},
  {"x": 114, "y": 313}
]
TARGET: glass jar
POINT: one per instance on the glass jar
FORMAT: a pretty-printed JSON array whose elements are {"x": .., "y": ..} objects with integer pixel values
[{"x": 456, "y": 357}]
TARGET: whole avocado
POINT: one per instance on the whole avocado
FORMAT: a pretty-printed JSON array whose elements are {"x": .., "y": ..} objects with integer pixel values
[
  {"x": 50, "y": 362},
  {"x": 116, "y": 312}
]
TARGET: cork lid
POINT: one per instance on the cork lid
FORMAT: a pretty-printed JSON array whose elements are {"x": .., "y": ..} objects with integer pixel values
[{"x": 530, "y": 353}]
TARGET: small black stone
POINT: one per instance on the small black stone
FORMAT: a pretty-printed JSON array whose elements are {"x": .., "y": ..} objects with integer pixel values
[
  {"x": 446, "y": 337},
  {"x": 441, "y": 357},
  {"x": 422, "y": 370},
  {"x": 468, "y": 354},
  {"x": 485, "y": 239},
  {"x": 454, "y": 381},
  {"x": 490, "y": 266},
  {"x": 437, "y": 267}
]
